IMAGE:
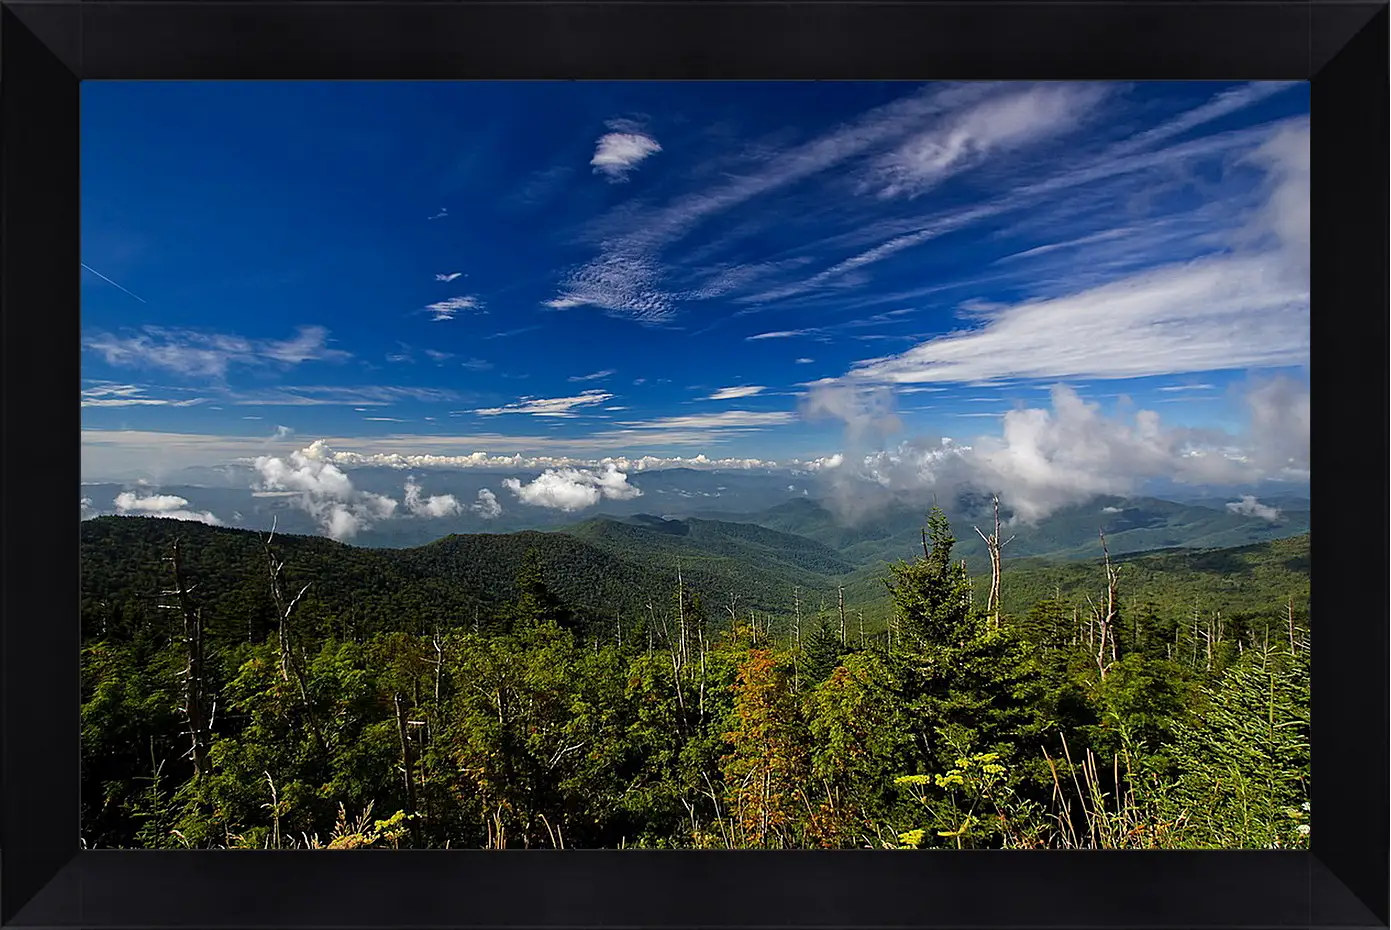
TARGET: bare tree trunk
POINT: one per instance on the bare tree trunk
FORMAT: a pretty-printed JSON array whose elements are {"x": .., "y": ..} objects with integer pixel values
[
  {"x": 700, "y": 636},
  {"x": 681, "y": 610},
  {"x": 1107, "y": 622},
  {"x": 407, "y": 767},
  {"x": 198, "y": 726},
  {"x": 993, "y": 547},
  {"x": 840, "y": 604}
]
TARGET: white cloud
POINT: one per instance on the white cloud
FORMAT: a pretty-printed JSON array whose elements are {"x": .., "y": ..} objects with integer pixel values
[
  {"x": 166, "y": 506},
  {"x": 565, "y": 302},
  {"x": 1002, "y": 122},
  {"x": 731, "y": 393},
  {"x": 449, "y": 277},
  {"x": 549, "y": 407},
  {"x": 487, "y": 507},
  {"x": 626, "y": 284},
  {"x": 476, "y": 364},
  {"x": 805, "y": 361},
  {"x": 1113, "y": 510},
  {"x": 188, "y": 352},
  {"x": 154, "y": 503},
  {"x": 325, "y": 491},
  {"x": 442, "y": 505},
  {"x": 779, "y": 334},
  {"x": 1241, "y": 309},
  {"x": 110, "y": 394},
  {"x": 1249, "y": 506},
  {"x": 1186, "y": 387},
  {"x": 596, "y": 376},
  {"x": 282, "y": 432},
  {"x": 728, "y": 419},
  {"x": 1044, "y": 459},
  {"x": 618, "y": 153},
  {"x": 572, "y": 489},
  {"x": 335, "y": 395},
  {"x": 446, "y": 309},
  {"x": 438, "y": 356}
]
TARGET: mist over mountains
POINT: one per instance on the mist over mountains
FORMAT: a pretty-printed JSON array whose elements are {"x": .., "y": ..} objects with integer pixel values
[{"x": 428, "y": 505}]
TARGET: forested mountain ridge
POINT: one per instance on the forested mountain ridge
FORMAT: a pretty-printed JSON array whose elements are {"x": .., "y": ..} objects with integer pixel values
[
  {"x": 241, "y": 691},
  {"x": 601, "y": 567},
  {"x": 1131, "y": 525}
]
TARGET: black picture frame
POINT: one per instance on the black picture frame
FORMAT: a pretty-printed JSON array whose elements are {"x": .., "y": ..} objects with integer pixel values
[{"x": 48, "y": 46}]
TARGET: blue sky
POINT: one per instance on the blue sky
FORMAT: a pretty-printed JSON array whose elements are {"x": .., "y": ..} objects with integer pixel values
[{"x": 769, "y": 271}]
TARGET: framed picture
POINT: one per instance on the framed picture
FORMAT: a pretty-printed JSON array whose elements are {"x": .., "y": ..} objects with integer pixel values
[{"x": 799, "y": 464}]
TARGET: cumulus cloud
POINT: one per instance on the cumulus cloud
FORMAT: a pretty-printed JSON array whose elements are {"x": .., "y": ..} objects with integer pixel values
[
  {"x": 1044, "y": 459},
  {"x": 1248, "y": 506},
  {"x": 168, "y": 506},
  {"x": 487, "y": 460},
  {"x": 618, "y": 153},
  {"x": 323, "y": 490},
  {"x": 487, "y": 506},
  {"x": 1113, "y": 510},
  {"x": 1279, "y": 417},
  {"x": 441, "y": 505},
  {"x": 571, "y": 489}
]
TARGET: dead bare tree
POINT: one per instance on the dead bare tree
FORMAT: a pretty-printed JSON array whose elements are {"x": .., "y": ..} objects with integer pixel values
[
  {"x": 283, "y": 609},
  {"x": 993, "y": 546},
  {"x": 840, "y": 605},
  {"x": 199, "y": 727},
  {"x": 681, "y": 609},
  {"x": 407, "y": 766},
  {"x": 1106, "y": 620}
]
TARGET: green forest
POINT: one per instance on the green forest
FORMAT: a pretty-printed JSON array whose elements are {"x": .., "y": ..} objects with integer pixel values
[{"x": 687, "y": 684}]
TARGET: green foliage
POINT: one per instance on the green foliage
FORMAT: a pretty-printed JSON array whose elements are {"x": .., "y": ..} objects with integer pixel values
[{"x": 539, "y": 690}]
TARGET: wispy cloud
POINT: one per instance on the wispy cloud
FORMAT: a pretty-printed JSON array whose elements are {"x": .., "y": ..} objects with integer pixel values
[
  {"x": 193, "y": 353},
  {"x": 1187, "y": 387},
  {"x": 564, "y": 303},
  {"x": 110, "y": 394},
  {"x": 446, "y": 309},
  {"x": 549, "y": 406},
  {"x": 449, "y": 277},
  {"x": 342, "y": 395},
  {"x": 731, "y": 393},
  {"x": 437, "y": 356},
  {"x": 779, "y": 334},
  {"x": 595, "y": 376},
  {"x": 513, "y": 332},
  {"x": 728, "y": 419},
  {"x": 476, "y": 364},
  {"x": 1246, "y": 308},
  {"x": 1002, "y": 122}
]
